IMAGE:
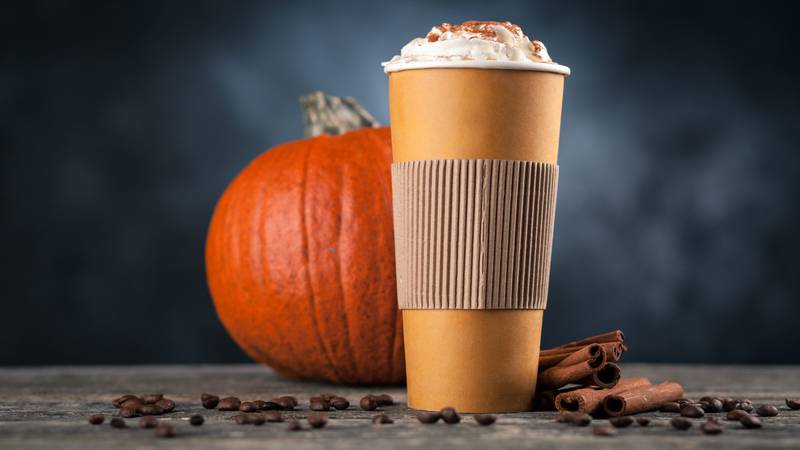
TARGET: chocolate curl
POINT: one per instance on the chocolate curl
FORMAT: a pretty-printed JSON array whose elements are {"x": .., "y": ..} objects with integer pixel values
[
  {"x": 643, "y": 398},
  {"x": 590, "y": 399},
  {"x": 611, "y": 336},
  {"x": 605, "y": 376}
]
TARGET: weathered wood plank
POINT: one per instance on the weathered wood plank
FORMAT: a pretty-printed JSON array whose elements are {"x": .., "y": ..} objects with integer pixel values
[{"x": 48, "y": 407}]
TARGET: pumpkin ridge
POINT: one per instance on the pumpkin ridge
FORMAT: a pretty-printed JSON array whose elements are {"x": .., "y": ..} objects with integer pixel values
[
  {"x": 385, "y": 190},
  {"x": 340, "y": 227},
  {"x": 311, "y": 298}
]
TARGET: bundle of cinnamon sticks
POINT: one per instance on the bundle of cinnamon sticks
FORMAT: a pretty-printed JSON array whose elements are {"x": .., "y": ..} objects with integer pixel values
[{"x": 582, "y": 376}]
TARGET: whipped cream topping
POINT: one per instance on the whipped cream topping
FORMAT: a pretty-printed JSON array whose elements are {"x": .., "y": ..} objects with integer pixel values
[{"x": 475, "y": 44}]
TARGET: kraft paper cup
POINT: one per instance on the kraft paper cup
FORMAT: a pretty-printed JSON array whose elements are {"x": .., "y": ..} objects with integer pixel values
[{"x": 474, "y": 190}]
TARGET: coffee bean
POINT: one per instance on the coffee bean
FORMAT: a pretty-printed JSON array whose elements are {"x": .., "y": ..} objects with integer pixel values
[
  {"x": 744, "y": 405},
  {"x": 643, "y": 421},
  {"x": 117, "y": 402},
  {"x": 683, "y": 402},
  {"x": 704, "y": 405},
  {"x": 692, "y": 411},
  {"x": 209, "y": 401},
  {"x": 749, "y": 421},
  {"x": 714, "y": 406},
  {"x": 317, "y": 420},
  {"x": 97, "y": 419},
  {"x": 273, "y": 416},
  {"x": 148, "y": 422},
  {"x": 485, "y": 419},
  {"x": 381, "y": 419},
  {"x": 603, "y": 430},
  {"x": 621, "y": 422},
  {"x": 735, "y": 414},
  {"x": 131, "y": 403},
  {"x": 127, "y": 412},
  {"x": 288, "y": 399},
  {"x": 294, "y": 425},
  {"x": 711, "y": 427},
  {"x": 681, "y": 423},
  {"x": 229, "y": 404},
  {"x": 706, "y": 398},
  {"x": 165, "y": 404},
  {"x": 450, "y": 416},
  {"x": 429, "y": 417},
  {"x": 574, "y": 418},
  {"x": 196, "y": 420},
  {"x": 368, "y": 403},
  {"x": 149, "y": 399},
  {"x": 384, "y": 400},
  {"x": 340, "y": 403},
  {"x": 149, "y": 410},
  {"x": 713, "y": 419},
  {"x": 274, "y": 406},
  {"x": 116, "y": 422},
  {"x": 767, "y": 411},
  {"x": 248, "y": 407},
  {"x": 729, "y": 404},
  {"x": 793, "y": 404},
  {"x": 241, "y": 419},
  {"x": 328, "y": 397},
  {"x": 671, "y": 407},
  {"x": 320, "y": 405},
  {"x": 165, "y": 430}
]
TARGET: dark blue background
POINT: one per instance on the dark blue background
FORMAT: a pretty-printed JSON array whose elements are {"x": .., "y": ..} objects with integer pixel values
[{"x": 120, "y": 125}]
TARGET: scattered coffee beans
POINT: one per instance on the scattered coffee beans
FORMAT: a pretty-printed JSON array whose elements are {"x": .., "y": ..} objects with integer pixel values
[
  {"x": 127, "y": 412},
  {"x": 735, "y": 414},
  {"x": 671, "y": 407},
  {"x": 767, "y": 411},
  {"x": 209, "y": 401},
  {"x": 273, "y": 416},
  {"x": 574, "y": 418},
  {"x": 340, "y": 403},
  {"x": 149, "y": 410},
  {"x": 429, "y": 417},
  {"x": 117, "y": 402},
  {"x": 643, "y": 421},
  {"x": 381, "y": 419},
  {"x": 711, "y": 427},
  {"x": 681, "y": 423},
  {"x": 148, "y": 422},
  {"x": 229, "y": 404},
  {"x": 248, "y": 407},
  {"x": 692, "y": 411},
  {"x": 97, "y": 419},
  {"x": 793, "y": 404},
  {"x": 294, "y": 425},
  {"x": 286, "y": 403},
  {"x": 196, "y": 420},
  {"x": 384, "y": 400},
  {"x": 165, "y": 404},
  {"x": 116, "y": 422},
  {"x": 149, "y": 399},
  {"x": 165, "y": 430},
  {"x": 485, "y": 419},
  {"x": 621, "y": 422},
  {"x": 320, "y": 404},
  {"x": 749, "y": 421},
  {"x": 317, "y": 420},
  {"x": 712, "y": 405},
  {"x": 603, "y": 430},
  {"x": 450, "y": 416},
  {"x": 368, "y": 403}
]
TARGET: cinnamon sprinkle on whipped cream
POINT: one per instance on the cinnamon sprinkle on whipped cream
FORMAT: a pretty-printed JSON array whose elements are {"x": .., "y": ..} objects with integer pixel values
[{"x": 497, "y": 44}]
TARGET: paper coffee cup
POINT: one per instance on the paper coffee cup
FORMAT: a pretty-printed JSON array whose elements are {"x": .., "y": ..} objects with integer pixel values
[{"x": 474, "y": 187}]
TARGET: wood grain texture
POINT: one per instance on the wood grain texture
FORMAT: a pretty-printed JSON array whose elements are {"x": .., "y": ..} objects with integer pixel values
[{"x": 48, "y": 408}]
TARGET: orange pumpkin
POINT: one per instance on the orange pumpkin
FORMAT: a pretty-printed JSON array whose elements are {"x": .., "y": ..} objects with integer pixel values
[{"x": 300, "y": 260}]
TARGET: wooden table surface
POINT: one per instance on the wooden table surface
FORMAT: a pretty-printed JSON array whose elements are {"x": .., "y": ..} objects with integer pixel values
[{"x": 48, "y": 408}]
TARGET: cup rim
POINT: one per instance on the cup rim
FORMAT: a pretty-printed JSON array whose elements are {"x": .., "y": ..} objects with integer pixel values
[{"x": 471, "y": 64}]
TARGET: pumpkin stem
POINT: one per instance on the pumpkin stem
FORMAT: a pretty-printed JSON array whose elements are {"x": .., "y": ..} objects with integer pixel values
[{"x": 329, "y": 114}]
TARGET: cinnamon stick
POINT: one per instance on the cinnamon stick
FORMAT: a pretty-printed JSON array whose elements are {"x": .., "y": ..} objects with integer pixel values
[
  {"x": 611, "y": 336},
  {"x": 643, "y": 398},
  {"x": 590, "y": 399},
  {"x": 605, "y": 376},
  {"x": 594, "y": 353}
]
